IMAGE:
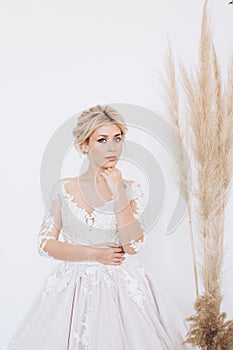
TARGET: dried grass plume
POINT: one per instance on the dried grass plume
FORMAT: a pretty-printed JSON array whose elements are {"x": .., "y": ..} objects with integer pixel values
[{"x": 207, "y": 133}]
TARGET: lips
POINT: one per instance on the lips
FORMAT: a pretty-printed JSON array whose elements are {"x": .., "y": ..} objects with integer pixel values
[{"x": 111, "y": 157}]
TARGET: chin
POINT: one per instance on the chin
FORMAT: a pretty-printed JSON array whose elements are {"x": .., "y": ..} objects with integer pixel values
[{"x": 109, "y": 164}]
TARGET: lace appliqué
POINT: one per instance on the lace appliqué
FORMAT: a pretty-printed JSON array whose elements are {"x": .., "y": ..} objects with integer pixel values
[
  {"x": 84, "y": 337},
  {"x": 58, "y": 280},
  {"x": 136, "y": 194},
  {"x": 136, "y": 245},
  {"x": 133, "y": 288},
  {"x": 100, "y": 217},
  {"x": 48, "y": 226},
  {"x": 51, "y": 220},
  {"x": 92, "y": 275}
]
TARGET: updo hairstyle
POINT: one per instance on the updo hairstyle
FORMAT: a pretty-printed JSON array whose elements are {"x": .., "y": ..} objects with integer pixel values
[{"x": 93, "y": 118}]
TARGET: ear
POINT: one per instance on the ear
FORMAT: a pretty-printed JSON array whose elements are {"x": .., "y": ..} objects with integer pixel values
[{"x": 85, "y": 147}]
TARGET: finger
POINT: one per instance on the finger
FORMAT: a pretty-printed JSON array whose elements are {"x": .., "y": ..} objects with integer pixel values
[
  {"x": 118, "y": 259},
  {"x": 118, "y": 250},
  {"x": 115, "y": 252},
  {"x": 108, "y": 169},
  {"x": 114, "y": 245},
  {"x": 104, "y": 176},
  {"x": 115, "y": 263},
  {"x": 119, "y": 255},
  {"x": 118, "y": 262}
]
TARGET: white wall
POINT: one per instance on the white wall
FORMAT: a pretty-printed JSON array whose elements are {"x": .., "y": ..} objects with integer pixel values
[{"x": 58, "y": 58}]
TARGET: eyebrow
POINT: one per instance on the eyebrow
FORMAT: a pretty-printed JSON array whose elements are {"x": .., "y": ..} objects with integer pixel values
[{"x": 107, "y": 135}]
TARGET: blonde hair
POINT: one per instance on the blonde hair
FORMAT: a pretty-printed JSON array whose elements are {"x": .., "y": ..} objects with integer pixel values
[{"x": 91, "y": 119}]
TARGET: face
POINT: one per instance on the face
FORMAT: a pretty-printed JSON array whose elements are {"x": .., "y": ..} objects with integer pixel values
[{"x": 104, "y": 142}]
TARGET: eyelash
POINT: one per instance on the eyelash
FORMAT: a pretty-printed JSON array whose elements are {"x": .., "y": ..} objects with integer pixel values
[{"x": 105, "y": 139}]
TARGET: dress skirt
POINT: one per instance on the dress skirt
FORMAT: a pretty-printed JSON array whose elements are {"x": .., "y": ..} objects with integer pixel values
[{"x": 93, "y": 306}]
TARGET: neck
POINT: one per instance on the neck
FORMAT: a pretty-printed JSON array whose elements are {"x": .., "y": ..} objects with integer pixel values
[{"x": 93, "y": 174}]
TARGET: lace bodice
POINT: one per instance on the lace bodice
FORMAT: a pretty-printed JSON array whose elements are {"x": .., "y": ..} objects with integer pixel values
[{"x": 64, "y": 218}]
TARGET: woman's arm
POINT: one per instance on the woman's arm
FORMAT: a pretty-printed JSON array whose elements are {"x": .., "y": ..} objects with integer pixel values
[
  {"x": 55, "y": 249},
  {"x": 111, "y": 254},
  {"x": 130, "y": 231},
  {"x": 50, "y": 246}
]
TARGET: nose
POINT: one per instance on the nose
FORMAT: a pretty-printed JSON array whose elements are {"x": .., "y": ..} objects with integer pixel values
[{"x": 111, "y": 145}]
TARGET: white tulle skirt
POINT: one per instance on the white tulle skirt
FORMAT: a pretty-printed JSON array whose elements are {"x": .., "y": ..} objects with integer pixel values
[{"x": 89, "y": 305}]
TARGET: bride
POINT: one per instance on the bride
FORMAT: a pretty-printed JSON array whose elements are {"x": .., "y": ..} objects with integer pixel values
[{"x": 98, "y": 297}]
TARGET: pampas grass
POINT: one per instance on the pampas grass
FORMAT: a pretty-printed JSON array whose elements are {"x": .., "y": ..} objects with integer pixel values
[
  {"x": 207, "y": 133},
  {"x": 209, "y": 330},
  {"x": 171, "y": 97}
]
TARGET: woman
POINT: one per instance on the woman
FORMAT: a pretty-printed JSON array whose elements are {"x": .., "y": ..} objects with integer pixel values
[{"x": 99, "y": 297}]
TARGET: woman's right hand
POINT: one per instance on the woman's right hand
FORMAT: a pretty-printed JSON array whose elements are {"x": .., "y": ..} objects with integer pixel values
[{"x": 110, "y": 254}]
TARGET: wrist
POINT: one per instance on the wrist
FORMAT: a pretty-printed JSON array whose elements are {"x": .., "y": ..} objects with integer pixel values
[{"x": 91, "y": 253}]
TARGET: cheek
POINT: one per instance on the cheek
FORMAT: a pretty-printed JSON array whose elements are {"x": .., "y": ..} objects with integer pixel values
[
  {"x": 119, "y": 147},
  {"x": 98, "y": 151}
]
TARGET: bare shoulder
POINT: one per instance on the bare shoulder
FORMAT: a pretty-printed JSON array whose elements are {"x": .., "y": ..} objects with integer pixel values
[{"x": 69, "y": 179}]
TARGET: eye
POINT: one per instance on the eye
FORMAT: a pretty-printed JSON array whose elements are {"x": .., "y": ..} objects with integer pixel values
[
  {"x": 116, "y": 138},
  {"x": 101, "y": 140}
]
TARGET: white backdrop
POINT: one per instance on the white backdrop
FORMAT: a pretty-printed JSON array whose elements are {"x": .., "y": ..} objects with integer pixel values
[{"x": 57, "y": 59}]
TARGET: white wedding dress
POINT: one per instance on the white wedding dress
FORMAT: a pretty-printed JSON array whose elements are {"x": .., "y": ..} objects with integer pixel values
[{"x": 88, "y": 305}]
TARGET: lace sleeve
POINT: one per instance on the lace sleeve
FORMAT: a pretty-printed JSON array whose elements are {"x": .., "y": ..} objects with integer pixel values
[
  {"x": 137, "y": 196},
  {"x": 51, "y": 222}
]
